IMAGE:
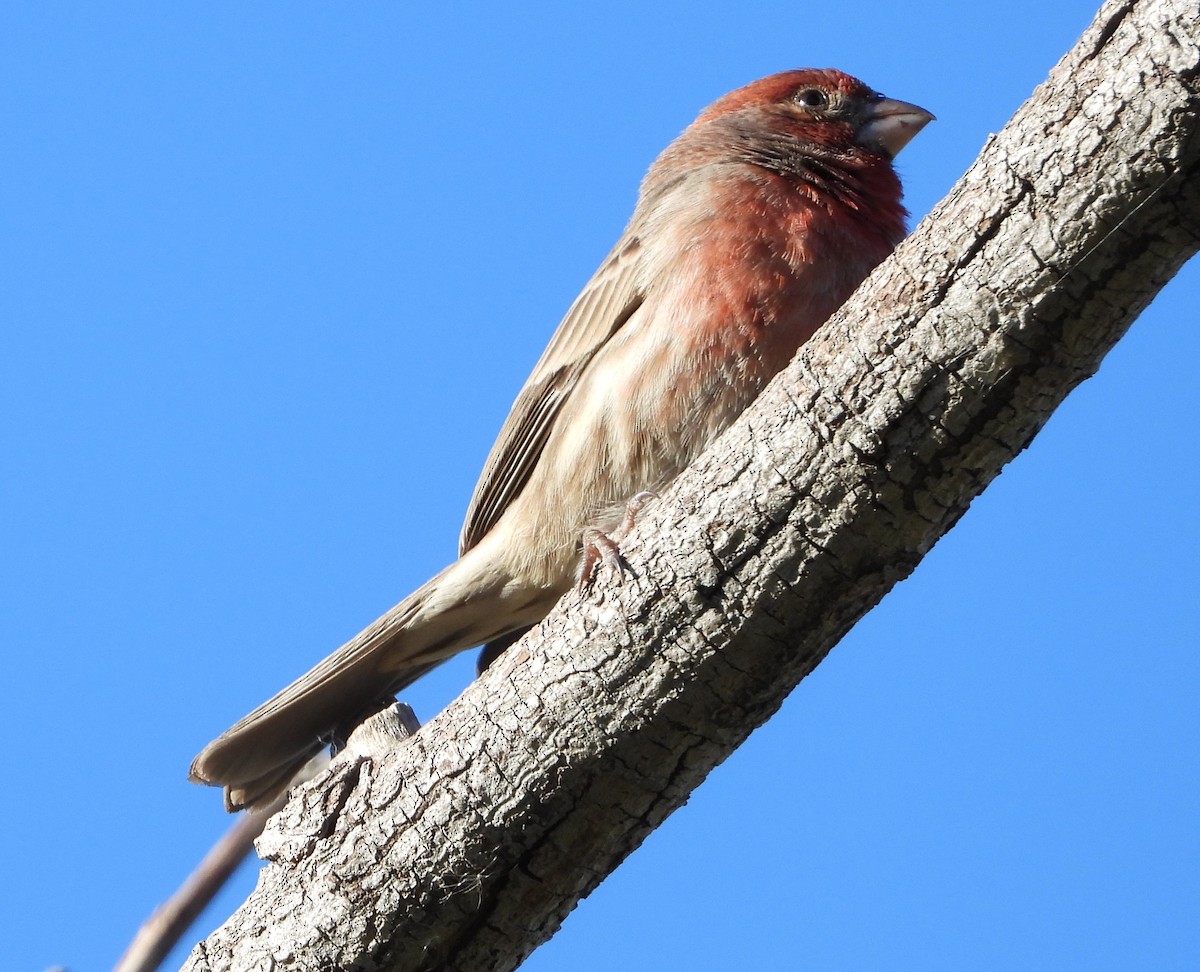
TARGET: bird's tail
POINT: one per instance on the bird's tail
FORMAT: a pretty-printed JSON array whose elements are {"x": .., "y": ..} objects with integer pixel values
[{"x": 465, "y": 605}]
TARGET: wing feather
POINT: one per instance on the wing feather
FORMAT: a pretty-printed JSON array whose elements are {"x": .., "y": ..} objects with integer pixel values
[{"x": 605, "y": 304}]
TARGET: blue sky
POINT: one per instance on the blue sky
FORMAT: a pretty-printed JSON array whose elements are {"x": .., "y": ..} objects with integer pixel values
[{"x": 272, "y": 275}]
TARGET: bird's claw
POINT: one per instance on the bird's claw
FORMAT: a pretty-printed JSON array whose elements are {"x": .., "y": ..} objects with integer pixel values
[
  {"x": 635, "y": 506},
  {"x": 600, "y": 547}
]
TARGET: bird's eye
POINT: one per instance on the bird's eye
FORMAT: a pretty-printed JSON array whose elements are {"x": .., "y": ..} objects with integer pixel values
[{"x": 812, "y": 98}]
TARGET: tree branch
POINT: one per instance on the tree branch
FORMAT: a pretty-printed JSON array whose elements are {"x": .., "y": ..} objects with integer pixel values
[{"x": 466, "y": 846}]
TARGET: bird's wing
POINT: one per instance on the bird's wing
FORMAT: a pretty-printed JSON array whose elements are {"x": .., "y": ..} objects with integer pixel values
[{"x": 605, "y": 304}]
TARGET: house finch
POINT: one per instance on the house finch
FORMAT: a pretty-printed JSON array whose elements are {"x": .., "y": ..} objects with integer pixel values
[{"x": 750, "y": 229}]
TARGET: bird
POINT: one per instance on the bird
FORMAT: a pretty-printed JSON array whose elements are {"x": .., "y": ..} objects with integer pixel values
[{"x": 750, "y": 229}]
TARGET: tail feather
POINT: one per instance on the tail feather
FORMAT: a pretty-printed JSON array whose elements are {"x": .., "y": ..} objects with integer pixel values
[{"x": 257, "y": 757}]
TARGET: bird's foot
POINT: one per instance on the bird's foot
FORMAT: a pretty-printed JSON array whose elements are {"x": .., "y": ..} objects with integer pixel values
[{"x": 600, "y": 547}]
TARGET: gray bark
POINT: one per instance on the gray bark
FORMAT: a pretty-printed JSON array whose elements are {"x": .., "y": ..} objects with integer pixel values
[{"x": 465, "y": 846}]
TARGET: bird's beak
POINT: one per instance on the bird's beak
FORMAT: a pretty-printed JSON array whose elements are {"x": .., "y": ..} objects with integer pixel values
[{"x": 890, "y": 125}]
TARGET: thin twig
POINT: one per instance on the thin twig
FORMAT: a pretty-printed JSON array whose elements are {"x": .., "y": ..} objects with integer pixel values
[
  {"x": 163, "y": 929},
  {"x": 170, "y": 921}
]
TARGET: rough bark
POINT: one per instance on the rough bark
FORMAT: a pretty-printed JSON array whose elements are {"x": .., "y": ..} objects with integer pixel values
[{"x": 466, "y": 845}]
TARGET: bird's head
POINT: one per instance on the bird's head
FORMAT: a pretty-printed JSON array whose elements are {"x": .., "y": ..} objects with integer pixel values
[{"x": 823, "y": 106}]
